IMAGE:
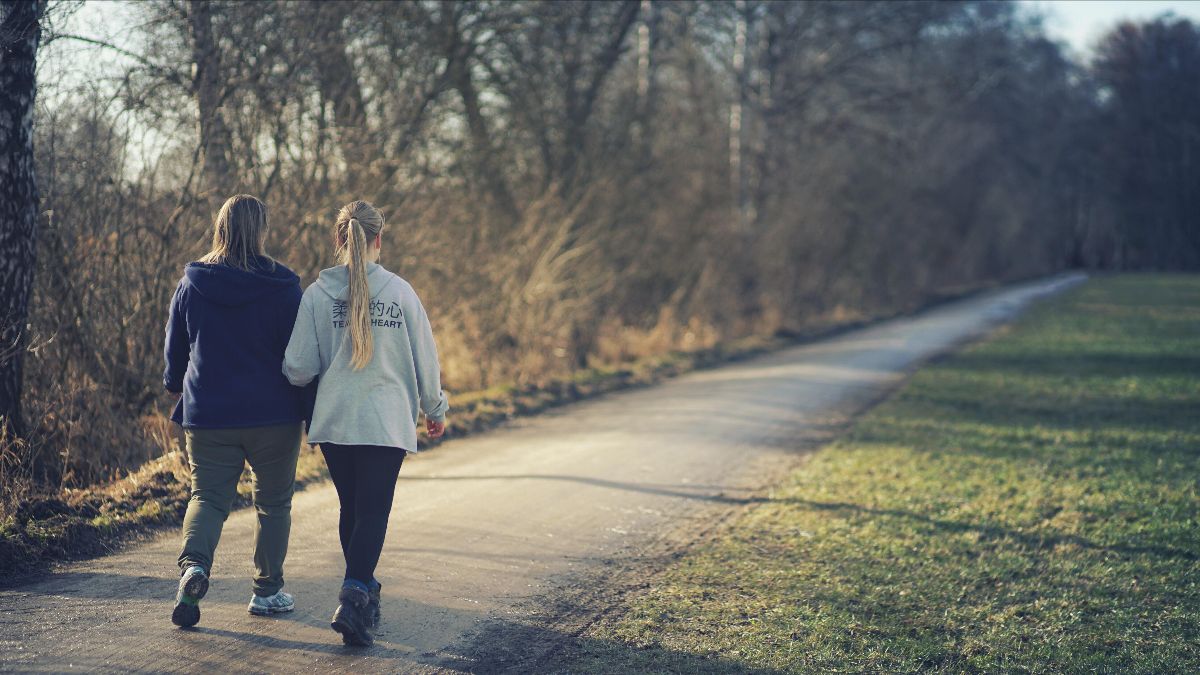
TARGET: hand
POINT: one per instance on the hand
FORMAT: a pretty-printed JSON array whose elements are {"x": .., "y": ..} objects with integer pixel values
[
  {"x": 174, "y": 395},
  {"x": 435, "y": 428}
]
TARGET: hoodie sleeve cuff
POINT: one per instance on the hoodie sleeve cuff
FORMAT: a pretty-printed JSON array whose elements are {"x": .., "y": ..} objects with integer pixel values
[{"x": 438, "y": 412}]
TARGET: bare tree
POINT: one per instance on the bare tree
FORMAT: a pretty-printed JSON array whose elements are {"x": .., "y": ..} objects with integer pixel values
[
  {"x": 552, "y": 67},
  {"x": 1150, "y": 72},
  {"x": 461, "y": 47},
  {"x": 338, "y": 84},
  {"x": 566, "y": 179},
  {"x": 209, "y": 90}
]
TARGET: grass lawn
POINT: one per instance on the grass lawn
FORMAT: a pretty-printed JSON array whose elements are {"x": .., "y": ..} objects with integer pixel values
[{"x": 1030, "y": 504}]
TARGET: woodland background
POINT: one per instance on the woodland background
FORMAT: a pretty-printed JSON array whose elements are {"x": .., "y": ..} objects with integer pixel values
[{"x": 572, "y": 184}]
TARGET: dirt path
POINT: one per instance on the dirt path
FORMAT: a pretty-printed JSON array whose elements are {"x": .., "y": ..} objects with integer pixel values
[{"x": 482, "y": 525}]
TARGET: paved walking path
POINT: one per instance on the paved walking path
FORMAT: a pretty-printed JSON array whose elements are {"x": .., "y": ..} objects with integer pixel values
[{"x": 485, "y": 523}]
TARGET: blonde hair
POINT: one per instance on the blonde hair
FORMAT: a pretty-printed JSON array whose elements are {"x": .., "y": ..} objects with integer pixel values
[
  {"x": 239, "y": 232},
  {"x": 357, "y": 224}
]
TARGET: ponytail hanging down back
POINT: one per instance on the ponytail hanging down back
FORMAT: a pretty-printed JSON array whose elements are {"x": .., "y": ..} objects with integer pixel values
[{"x": 358, "y": 224}]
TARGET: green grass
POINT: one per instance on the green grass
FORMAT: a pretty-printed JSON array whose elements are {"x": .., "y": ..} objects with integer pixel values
[{"x": 1030, "y": 504}]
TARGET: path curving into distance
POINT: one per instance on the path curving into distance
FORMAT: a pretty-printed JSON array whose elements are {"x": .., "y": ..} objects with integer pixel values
[{"x": 484, "y": 525}]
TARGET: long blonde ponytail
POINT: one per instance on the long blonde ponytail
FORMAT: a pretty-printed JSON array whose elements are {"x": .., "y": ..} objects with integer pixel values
[{"x": 358, "y": 224}]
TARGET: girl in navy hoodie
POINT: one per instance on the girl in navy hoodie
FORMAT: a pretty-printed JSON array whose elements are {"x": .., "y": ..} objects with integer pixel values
[{"x": 230, "y": 321}]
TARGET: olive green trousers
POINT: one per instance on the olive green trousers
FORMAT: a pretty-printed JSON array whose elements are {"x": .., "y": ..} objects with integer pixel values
[{"x": 217, "y": 457}]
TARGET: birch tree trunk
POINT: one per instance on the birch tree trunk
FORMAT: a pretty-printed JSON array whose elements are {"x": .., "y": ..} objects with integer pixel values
[{"x": 20, "y": 31}]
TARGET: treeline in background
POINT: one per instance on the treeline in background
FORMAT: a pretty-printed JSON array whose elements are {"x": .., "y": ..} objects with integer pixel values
[{"x": 569, "y": 184}]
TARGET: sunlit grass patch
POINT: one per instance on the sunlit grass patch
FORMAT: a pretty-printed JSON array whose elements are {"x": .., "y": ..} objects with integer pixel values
[{"x": 1031, "y": 504}]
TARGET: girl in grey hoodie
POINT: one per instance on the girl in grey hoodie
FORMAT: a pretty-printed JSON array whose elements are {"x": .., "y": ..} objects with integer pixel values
[{"x": 362, "y": 333}]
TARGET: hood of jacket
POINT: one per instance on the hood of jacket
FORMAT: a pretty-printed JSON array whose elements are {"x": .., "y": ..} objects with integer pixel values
[
  {"x": 335, "y": 281},
  {"x": 232, "y": 287}
]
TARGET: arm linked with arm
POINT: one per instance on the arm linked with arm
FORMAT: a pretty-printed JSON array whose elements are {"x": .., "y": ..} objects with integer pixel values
[{"x": 302, "y": 359}]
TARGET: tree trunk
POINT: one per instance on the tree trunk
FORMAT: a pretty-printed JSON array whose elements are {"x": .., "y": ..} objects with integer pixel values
[
  {"x": 487, "y": 168},
  {"x": 20, "y": 31},
  {"x": 581, "y": 97},
  {"x": 339, "y": 84},
  {"x": 207, "y": 89}
]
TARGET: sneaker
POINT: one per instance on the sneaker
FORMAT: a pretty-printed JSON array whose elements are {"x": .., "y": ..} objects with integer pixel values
[
  {"x": 373, "y": 613},
  {"x": 192, "y": 586},
  {"x": 351, "y": 619},
  {"x": 271, "y": 604}
]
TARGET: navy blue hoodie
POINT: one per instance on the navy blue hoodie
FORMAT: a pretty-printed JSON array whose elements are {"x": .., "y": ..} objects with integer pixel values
[{"x": 226, "y": 335}]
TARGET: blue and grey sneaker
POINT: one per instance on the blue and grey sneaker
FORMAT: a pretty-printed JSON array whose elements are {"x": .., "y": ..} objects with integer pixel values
[
  {"x": 271, "y": 604},
  {"x": 192, "y": 586}
]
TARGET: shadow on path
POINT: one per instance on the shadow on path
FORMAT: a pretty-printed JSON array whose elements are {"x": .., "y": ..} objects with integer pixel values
[
  {"x": 330, "y": 646},
  {"x": 681, "y": 490},
  {"x": 503, "y": 646},
  {"x": 993, "y": 532}
]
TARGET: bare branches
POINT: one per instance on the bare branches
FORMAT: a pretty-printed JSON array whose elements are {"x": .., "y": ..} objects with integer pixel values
[
  {"x": 171, "y": 75},
  {"x": 884, "y": 151}
]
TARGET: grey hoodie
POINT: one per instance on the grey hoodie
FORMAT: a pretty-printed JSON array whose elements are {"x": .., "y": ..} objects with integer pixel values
[{"x": 377, "y": 405}]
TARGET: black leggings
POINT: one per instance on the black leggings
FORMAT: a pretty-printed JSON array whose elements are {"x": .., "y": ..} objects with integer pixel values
[{"x": 365, "y": 478}]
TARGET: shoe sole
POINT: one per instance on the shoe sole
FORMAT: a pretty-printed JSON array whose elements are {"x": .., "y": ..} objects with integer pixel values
[
  {"x": 352, "y": 636},
  {"x": 268, "y": 611},
  {"x": 187, "y": 614}
]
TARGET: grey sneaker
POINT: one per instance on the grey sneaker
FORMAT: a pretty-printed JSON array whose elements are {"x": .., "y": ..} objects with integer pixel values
[
  {"x": 193, "y": 584},
  {"x": 272, "y": 604}
]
